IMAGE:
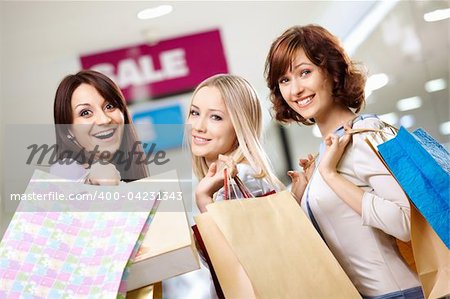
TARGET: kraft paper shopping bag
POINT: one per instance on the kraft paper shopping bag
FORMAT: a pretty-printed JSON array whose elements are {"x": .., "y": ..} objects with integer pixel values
[
  {"x": 432, "y": 257},
  {"x": 278, "y": 248},
  {"x": 234, "y": 281}
]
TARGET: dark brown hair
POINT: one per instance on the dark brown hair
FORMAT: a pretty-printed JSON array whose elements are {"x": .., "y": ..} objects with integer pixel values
[
  {"x": 325, "y": 51},
  {"x": 63, "y": 114}
]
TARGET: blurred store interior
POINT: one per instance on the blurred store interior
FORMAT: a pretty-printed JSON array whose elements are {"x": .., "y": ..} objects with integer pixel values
[{"x": 403, "y": 44}]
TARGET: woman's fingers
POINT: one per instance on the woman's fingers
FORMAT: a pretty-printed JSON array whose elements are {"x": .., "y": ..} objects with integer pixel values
[
  {"x": 303, "y": 162},
  {"x": 344, "y": 140},
  {"x": 310, "y": 169},
  {"x": 212, "y": 169},
  {"x": 334, "y": 141},
  {"x": 307, "y": 163},
  {"x": 330, "y": 140},
  {"x": 103, "y": 174},
  {"x": 230, "y": 165},
  {"x": 294, "y": 175}
]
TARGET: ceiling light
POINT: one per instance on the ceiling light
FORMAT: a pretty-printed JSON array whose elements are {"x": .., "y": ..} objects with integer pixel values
[
  {"x": 409, "y": 103},
  {"x": 390, "y": 118},
  {"x": 444, "y": 128},
  {"x": 435, "y": 85},
  {"x": 375, "y": 82},
  {"x": 155, "y": 12},
  {"x": 368, "y": 25},
  {"x": 437, "y": 15},
  {"x": 407, "y": 121}
]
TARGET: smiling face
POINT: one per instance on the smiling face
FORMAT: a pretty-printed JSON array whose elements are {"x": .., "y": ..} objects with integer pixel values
[
  {"x": 96, "y": 122},
  {"x": 306, "y": 88},
  {"x": 212, "y": 130}
]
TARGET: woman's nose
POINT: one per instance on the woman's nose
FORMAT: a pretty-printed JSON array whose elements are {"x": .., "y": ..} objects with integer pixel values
[
  {"x": 297, "y": 87},
  {"x": 103, "y": 118},
  {"x": 199, "y": 124}
]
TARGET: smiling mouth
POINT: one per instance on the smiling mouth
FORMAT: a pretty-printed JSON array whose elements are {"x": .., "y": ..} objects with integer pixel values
[
  {"x": 105, "y": 134},
  {"x": 305, "y": 101},
  {"x": 201, "y": 140}
]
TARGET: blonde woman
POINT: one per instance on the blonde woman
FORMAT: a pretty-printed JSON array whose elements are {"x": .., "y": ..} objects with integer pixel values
[{"x": 225, "y": 117}]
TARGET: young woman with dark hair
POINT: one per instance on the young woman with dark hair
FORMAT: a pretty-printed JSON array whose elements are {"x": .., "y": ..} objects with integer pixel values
[{"x": 94, "y": 131}]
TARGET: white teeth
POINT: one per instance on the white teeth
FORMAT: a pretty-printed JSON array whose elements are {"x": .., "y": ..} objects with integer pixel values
[
  {"x": 200, "y": 139},
  {"x": 105, "y": 133},
  {"x": 305, "y": 101}
]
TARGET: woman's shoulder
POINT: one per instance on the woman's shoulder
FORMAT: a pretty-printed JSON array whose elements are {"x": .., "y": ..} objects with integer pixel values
[
  {"x": 250, "y": 178},
  {"x": 368, "y": 121},
  {"x": 247, "y": 173},
  {"x": 245, "y": 169}
]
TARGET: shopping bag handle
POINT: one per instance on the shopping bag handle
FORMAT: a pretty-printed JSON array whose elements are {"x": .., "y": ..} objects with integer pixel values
[
  {"x": 241, "y": 186},
  {"x": 393, "y": 130}
]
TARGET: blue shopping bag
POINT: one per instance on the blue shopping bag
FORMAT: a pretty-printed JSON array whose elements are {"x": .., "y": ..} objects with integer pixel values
[{"x": 422, "y": 167}]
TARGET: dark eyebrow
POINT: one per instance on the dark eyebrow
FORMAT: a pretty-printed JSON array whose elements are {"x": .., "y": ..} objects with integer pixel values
[
  {"x": 82, "y": 104},
  {"x": 300, "y": 64}
]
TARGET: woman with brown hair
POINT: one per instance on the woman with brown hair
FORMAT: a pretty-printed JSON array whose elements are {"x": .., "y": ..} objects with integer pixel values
[
  {"x": 350, "y": 196},
  {"x": 96, "y": 140}
]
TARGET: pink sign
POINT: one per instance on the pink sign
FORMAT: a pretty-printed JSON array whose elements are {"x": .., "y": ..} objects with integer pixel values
[{"x": 167, "y": 67}]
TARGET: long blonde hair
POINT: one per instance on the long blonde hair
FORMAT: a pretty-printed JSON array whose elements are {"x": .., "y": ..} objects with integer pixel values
[{"x": 244, "y": 109}]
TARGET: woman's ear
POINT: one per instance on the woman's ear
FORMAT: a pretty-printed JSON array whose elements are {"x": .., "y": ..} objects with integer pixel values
[
  {"x": 72, "y": 138},
  {"x": 70, "y": 135}
]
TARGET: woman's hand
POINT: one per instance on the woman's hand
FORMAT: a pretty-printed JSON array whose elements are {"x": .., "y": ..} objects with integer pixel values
[
  {"x": 213, "y": 181},
  {"x": 346, "y": 190},
  {"x": 103, "y": 174},
  {"x": 301, "y": 179},
  {"x": 334, "y": 149}
]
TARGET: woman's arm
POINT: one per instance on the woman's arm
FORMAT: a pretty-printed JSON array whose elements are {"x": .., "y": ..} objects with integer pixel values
[
  {"x": 346, "y": 190},
  {"x": 385, "y": 207}
]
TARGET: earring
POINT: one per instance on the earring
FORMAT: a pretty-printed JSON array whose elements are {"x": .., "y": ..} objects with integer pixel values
[{"x": 73, "y": 139}]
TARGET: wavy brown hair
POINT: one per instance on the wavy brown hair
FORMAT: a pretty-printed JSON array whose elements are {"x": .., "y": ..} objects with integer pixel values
[{"x": 325, "y": 51}]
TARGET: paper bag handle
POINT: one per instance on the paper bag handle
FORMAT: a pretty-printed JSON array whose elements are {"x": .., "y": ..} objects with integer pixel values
[
  {"x": 393, "y": 130},
  {"x": 227, "y": 183}
]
